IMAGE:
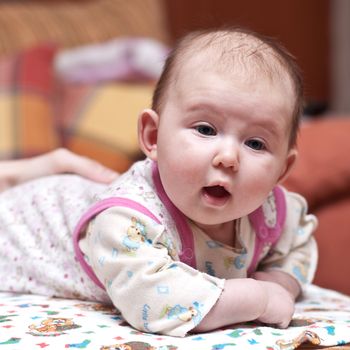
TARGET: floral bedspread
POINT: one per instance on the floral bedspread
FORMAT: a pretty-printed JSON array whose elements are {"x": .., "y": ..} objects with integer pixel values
[{"x": 322, "y": 317}]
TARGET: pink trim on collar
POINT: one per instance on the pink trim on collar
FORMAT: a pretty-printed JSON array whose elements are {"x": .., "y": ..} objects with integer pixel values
[
  {"x": 187, "y": 255},
  {"x": 264, "y": 234}
]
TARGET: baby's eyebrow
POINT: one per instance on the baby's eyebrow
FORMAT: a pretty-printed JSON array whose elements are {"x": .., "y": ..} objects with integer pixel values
[
  {"x": 200, "y": 106},
  {"x": 271, "y": 126}
]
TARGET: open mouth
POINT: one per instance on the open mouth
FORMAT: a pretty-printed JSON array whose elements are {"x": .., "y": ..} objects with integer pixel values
[{"x": 216, "y": 195}]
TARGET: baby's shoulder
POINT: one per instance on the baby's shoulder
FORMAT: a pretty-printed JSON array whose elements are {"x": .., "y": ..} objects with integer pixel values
[
  {"x": 135, "y": 182},
  {"x": 295, "y": 201}
]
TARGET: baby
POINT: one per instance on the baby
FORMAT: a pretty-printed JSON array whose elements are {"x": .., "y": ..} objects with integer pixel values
[{"x": 198, "y": 235}]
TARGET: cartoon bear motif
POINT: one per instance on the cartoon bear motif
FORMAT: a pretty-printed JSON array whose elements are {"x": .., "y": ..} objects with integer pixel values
[
  {"x": 105, "y": 309},
  {"x": 305, "y": 336},
  {"x": 137, "y": 345},
  {"x": 53, "y": 326},
  {"x": 182, "y": 313},
  {"x": 136, "y": 235}
]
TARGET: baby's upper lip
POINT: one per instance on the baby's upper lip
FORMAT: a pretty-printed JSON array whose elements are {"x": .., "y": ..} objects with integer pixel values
[{"x": 223, "y": 184}]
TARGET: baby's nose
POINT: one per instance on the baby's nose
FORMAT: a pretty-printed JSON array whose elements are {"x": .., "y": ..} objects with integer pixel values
[{"x": 227, "y": 157}]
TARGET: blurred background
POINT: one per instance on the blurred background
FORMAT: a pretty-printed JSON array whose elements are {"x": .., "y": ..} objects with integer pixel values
[
  {"x": 315, "y": 31},
  {"x": 304, "y": 27}
]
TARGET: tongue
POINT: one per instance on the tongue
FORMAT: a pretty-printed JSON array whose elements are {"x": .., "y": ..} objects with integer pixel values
[{"x": 216, "y": 191}]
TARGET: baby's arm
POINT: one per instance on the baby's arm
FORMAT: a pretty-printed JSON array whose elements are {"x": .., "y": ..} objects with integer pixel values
[
  {"x": 158, "y": 294},
  {"x": 136, "y": 261},
  {"x": 269, "y": 296},
  {"x": 283, "y": 279},
  {"x": 248, "y": 299}
]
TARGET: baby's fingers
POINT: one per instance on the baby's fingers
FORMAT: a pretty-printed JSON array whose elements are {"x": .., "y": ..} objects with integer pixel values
[
  {"x": 65, "y": 161},
  {"x": 284, "y": 324}
]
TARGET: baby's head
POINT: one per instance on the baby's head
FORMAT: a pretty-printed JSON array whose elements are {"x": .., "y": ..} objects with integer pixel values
[
  {"x": 224, "y": 122},
  {"x": 234, "y": 51}
]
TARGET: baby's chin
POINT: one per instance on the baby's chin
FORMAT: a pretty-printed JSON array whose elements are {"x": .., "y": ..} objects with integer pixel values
[
  {"x": 209, "y": 221},
  {"x": 209, "y": 217}
]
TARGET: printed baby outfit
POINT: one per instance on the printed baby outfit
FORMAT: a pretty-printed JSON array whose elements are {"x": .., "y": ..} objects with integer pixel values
[
  {"x": 37, "y": 219},
  {"x": 132, "y": 243}
]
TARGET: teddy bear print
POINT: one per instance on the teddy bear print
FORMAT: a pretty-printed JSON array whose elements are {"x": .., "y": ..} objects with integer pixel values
[
  {"x": 53, "y": 326},
  {"x": 137, "y": 345},
  {"x": 135, "y": 236},
  {"x": 184, "y": 314}
]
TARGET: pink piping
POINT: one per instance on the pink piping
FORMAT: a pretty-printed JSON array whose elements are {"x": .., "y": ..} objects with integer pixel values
[
  {"x": 264, "y": 233},
  {"x": 187, "y": 255}
]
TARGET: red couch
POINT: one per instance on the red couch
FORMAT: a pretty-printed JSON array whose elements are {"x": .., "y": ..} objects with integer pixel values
[{"x": 322, "y": 175}]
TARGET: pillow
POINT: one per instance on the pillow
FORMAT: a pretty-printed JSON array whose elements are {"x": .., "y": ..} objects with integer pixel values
[
  {"x": 27, "y": 125},
  {"x": 322, "y": 171},
  {"x": 100, "y": 121},
  {"x": 122, "y": 59}
]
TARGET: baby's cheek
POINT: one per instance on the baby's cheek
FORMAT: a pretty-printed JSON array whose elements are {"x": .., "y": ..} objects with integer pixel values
[{"x": 193, "y": 176}]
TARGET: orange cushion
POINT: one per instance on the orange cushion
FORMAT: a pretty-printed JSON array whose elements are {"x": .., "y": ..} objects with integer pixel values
[
  {"x": 333, "y": 242},
  {"x": 100, "y": 121},
  {"x": 322, "y": 171}
]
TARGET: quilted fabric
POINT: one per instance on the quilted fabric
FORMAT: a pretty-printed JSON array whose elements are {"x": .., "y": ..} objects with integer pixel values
[
  {"x": 27, "y": 125},
  {"x": 100, "y": 120}
]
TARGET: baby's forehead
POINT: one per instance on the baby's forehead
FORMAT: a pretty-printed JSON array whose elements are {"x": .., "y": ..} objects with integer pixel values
[{"x": 232, "y": 53}]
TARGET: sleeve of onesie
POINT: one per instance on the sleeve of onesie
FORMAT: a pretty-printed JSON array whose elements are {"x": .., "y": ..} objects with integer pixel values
[
  {"x": 296, "y": 251},
  {"x": 133, "y": 256}
]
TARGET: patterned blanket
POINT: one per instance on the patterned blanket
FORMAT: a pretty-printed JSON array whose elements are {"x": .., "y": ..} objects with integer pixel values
[{"x": 322, "y": 318}]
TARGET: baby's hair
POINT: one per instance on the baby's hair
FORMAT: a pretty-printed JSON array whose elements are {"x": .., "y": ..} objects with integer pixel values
[{"x": 231, "y": 48}]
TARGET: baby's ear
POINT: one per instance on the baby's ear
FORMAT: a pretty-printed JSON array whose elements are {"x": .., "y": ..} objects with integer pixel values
[
  {"x": 290, "y": 161},
  {"x": 147, "y": 132}
]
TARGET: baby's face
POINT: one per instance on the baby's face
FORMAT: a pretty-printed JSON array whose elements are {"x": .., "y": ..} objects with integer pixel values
[{"x": 223, "y": 142}]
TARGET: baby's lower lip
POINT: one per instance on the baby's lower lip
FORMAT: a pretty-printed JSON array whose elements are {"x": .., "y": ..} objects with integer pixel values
[{"x": 216, "y": 195}]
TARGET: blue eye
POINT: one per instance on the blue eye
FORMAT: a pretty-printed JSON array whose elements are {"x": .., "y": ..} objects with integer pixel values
[
  {"x": 206, "y": 130},
  {"x": 256, "y": 145}
]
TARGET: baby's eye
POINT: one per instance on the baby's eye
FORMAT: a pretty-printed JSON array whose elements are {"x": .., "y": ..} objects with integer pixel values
[
  {"x": 255, "y": 144},
  {"x": 206, "y": 130}
]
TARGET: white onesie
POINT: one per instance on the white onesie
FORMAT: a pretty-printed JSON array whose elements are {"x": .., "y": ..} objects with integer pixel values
[
  {"x": 143, "y": 251},
  {"x": 134, "y": 249}
]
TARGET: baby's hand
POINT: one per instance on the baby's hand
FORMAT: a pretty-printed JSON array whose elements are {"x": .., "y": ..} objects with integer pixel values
[{"x": 279, "y": 305}]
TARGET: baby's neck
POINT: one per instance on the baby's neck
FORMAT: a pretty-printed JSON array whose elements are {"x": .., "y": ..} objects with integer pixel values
[{"x": 223, "y": 233}]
